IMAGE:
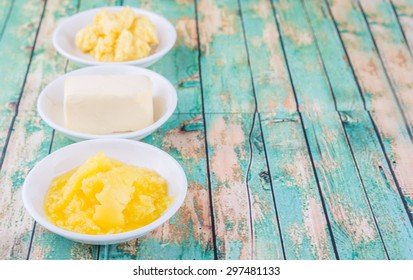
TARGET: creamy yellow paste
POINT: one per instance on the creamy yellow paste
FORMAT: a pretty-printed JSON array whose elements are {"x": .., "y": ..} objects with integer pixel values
[
  {"x": 105, "y": 196},
  {"x": 116, "y": 37}
]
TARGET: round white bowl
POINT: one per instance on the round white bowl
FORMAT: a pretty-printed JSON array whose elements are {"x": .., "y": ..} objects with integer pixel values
[
  {"x": 65, "y": 33},
  {"x": 131, "y": 152},
  {"x": 50, "y": 101}
]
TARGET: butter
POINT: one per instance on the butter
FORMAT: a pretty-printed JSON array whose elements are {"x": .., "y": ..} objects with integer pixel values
[
  {"x": 105, "y": 104},
  {"x": 115, "y": 37},
  {"x": 104, "y": 196}
]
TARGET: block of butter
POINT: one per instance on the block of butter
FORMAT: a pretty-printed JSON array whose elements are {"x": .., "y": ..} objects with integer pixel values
[{"x": 104, "y": 104}]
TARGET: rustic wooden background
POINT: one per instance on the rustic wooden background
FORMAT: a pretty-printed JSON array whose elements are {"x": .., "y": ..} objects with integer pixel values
[{"x": 294, "y": 125}]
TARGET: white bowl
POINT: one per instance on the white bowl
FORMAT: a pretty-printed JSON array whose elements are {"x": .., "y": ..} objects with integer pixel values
[
  {"x": 50, "y": 101},
  {"x": 64, "y": 37},
  {"x": 136, "y": 153}
]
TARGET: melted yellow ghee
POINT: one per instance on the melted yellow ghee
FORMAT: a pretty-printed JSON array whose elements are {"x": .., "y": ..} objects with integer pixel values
[
  {"x": 105, "y": 196},
  {"x": 115, "y": 37}
]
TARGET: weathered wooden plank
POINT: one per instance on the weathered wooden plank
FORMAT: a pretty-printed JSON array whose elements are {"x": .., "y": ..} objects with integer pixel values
[
  {"x": 393, "y": 51},
  {"x": 46, "y": 245},
  {"x": 303, "y": 58},
  {"x": 180, "y": 65},
  {"x": 5, "y": 8},
  {"x": 266, "y": 235},
  {"x": 188, "y": 234},
  {"x": 302, "y": 219},
  {"x": 223, "y": 53},
  {"x": 387, "y": 205},
  {"x": 304, "y": 228},
  {"x": 376, "y": 91},
  {"x": 16, "y": 45},
  {"x": 270, "y": 75},
  {"x": 244, "y": 213},
  {"x": 30, "y": 140},
  {"x": 334, "y": 57},
  {"x": 377, "y": 194},
  {"x": 352, "y": 223},
  {"x": 404, "y": 10}
]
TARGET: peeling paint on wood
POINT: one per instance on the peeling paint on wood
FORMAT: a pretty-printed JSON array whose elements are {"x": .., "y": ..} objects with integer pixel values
[
  {"x": 377, "y": 92},
  {"x": 394, "y": 53},
  {"x": 302, "y": 218},
  {"x": 387, "y": 205},
  {"x": 269, "y": 72},
  {"x": 404, "y": 10},
  {"x": 187, "y": 235},
  {"x": 220, "y": 25}
]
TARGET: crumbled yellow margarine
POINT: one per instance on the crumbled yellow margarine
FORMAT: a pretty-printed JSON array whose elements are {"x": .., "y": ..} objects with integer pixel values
[
  {"x": 115, "y": 37},
  {"x": 105, "y": 196}
]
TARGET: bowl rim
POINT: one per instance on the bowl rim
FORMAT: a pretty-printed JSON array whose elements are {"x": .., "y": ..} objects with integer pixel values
[
  {"x": 141, "y": 61},
  {"x": 103, "y": 238},
  {"x": 133, "y": 134}
]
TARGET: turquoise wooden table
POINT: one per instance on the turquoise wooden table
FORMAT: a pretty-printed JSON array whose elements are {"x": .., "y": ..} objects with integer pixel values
[{"x": 294, "y": 126}]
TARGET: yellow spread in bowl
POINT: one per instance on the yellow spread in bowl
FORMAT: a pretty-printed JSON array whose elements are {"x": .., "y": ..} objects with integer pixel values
[
  {"x": 116, "y": 37},
  {"x": 105, "y": 196}
]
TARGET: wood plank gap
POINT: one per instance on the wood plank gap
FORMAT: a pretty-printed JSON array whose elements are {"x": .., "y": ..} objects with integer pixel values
[
  {"x": 385, "y": 72},
  {"x": 401, "y": 27},
  {"x": 256, "y": 113},
  {"x": 306, "y": 139},
  {"x": 319, "y": 54},
  {"x": 251, "y": 131},
  {"x": 406, "y": 207},
  {"x": 247, "y": 184},
  {"x": 364, "y": 188},
  {"x": 35, "y": 223},
  {"x": 31, "y": 241},
  {"x": 3, "y": 154},
  {"x": 272, "y": 188},
  {"x": 211, "y": 205},
  {"x": 345, "y": 133},
  {"x": 7, "y": 19},
  {"x": 345, "y": 51}
]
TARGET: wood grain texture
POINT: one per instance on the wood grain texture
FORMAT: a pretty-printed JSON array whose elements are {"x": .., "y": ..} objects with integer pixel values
[
  {"x": 270, "y": 75},
  {"x": 16, "y": 44},
  {"x": 391, "y": 216},
  {"x": 404, "y": 10},
  {"x": 219, "y": 25},
  {"x": 5, "y": 8},
  {"x": 180, "y": 65},
  {"x": 333, "y": 54},
  {"x": 302, "y": 219},
  {"x": 377, "y": 92},
  {"x": 16, "y": 227},
  {"x": 355, "y": 231},
  {"x": 303, "y": 58},
  {"x": 244, "y": 215},
  {"x": 46, "y": 245},
  {"x": 378, "y": 194},
  {"x": 188, "y": 234},
  {"x": 393, "y": 51}
]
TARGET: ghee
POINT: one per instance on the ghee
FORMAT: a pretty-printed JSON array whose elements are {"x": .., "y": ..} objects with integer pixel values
[
  {"x": 105, "y": 196},
  {"x": 116, "y": 37}
]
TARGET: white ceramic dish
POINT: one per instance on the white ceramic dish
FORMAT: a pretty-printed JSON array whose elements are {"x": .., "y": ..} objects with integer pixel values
[
  {"x": 64, "y": 37},
  {"x": 136, "y": 153},
  {"x": 50, "y": 102}
]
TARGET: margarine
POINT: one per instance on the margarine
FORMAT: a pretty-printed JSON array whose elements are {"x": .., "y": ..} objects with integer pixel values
[
  {"x": 105, "y": 104},
  {"x": 105, "y": 196},
  {"x": 120, "y": 36}
]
